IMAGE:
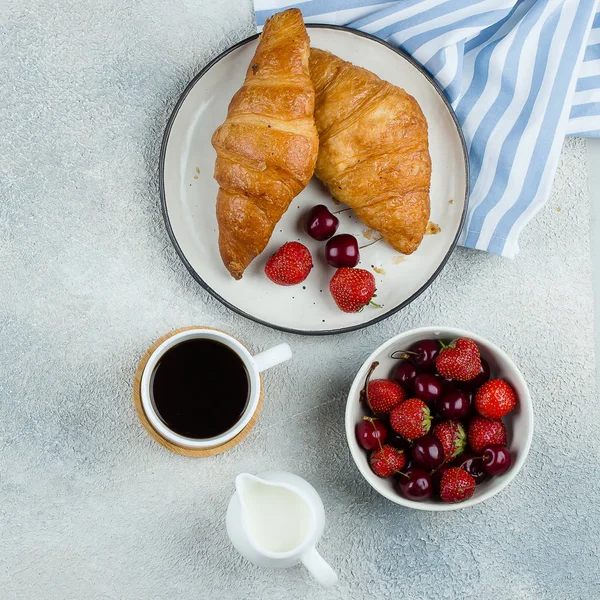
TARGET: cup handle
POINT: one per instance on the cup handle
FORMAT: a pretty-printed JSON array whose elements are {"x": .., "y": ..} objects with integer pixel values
[
  {"x": 271, "y": 357},
  {"x": 319, "y": 569}
]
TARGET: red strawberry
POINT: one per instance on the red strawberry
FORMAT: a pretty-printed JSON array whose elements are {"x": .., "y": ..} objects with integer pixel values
[
  {"x": 459, "y": 360},
  {"x": 383, "y": 395},
  {"x": 453, "y": 437},
  {"x": 485, "y": 431},
  {"x": 456, "y": 485},
  {"x": 436, "y": 477},
  {"x": 387, "y": 461},
  {"x": 290, "y": 265},
  {"x": 411, "y": 419},
  {"x": 352, "y": 289},
  {"x": 495, "y": 399}
]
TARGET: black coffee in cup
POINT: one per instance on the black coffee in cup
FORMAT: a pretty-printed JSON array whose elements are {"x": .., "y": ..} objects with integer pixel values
[{"x": 200, "y": 388}]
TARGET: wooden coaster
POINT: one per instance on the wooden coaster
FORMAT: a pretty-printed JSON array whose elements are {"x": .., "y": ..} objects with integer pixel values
[{"x": 137, "y": 401}]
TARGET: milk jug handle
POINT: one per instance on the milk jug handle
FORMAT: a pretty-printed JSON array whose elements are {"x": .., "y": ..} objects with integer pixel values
[{"x": 319, "y": 569}]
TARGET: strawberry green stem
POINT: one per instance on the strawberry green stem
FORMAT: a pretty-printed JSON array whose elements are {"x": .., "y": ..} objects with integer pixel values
[{"x": 452, "y": 344}]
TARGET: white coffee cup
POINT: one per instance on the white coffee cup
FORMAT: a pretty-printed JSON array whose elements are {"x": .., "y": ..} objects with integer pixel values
[{"x": 254, "y": 366}]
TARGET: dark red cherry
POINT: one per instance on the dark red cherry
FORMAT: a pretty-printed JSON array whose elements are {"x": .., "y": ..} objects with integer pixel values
[
  {"x": 405, "y": 374},
  {"x": 371, "y": 433},
  {"x": 397, "y": 441},
  {"x": 428, "y": 452},
  {"x": 423, "y": 354},
  {"x": 454, "y": 405},
  {"x": 416, "y": 485},
  {"x": 320, "y": 223},
  {"x": 496, "y": 459},
  {"x": 448, "y": 384},
  {"x": 342, "y": 251},
  {"x": 428, "y": 388},
  {"x": 426, "y": 353},
  {"x": 409, "y": 465},
  {"x": 473, "y": 465}
]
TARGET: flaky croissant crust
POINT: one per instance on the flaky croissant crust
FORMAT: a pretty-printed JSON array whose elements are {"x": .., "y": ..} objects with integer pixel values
[
  {"x": 373, "y": 153},
  {"x": 267, "y": 147}
]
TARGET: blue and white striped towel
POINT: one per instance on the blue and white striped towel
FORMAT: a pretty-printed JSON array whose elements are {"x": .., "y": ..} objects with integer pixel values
[{"x": 520, "y": 74}]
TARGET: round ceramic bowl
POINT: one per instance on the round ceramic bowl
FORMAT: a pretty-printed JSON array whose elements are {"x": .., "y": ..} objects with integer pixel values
[{"x": 519, "y": 423}]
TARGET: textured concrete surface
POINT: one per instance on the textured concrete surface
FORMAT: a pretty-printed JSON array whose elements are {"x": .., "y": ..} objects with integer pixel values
[
  {"x": 90, "y": 506},
  {"x": 593, "y": 146}
]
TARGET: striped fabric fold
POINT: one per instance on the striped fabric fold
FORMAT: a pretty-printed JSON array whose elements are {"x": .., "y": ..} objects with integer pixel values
[{"x": 520, "y": 76}]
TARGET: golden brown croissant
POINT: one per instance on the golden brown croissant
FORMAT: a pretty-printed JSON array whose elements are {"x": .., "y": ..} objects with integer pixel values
[
  {"x": 373, "y": 150},
  {"x": 267, "y": 147}
]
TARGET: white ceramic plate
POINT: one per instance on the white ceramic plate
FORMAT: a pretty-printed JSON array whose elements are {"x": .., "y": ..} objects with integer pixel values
[{"x": 188, "y": 193}]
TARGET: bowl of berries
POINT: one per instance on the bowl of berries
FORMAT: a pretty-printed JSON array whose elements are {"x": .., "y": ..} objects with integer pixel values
[{"x": 438, "y": 419}]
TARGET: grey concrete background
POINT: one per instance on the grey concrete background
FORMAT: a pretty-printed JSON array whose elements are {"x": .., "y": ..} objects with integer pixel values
[
  {"x": 90, "y": 506},
  {"x": 593, "y": 146}
]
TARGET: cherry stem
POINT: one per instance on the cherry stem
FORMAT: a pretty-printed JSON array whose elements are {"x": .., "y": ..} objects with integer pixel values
[
  {"x": 372, "y": 421},
  {"x": 365, "y": 391},
  {"x": 403, "y": 354},
  {"x": 370, "y": 243},
  {"x": 337, "y": 212}
]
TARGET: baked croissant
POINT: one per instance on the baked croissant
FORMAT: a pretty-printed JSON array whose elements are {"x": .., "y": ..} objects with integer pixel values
[
  {"x": 373, "y": 150},
  {"x": 267, "y": 147}
]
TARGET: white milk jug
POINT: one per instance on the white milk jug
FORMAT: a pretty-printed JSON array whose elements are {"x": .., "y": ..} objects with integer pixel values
[{"x": 275, "y": 520}]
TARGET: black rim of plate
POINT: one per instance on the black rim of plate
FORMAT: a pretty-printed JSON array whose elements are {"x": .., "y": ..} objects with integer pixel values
[{"x": 238, "y": 310}]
